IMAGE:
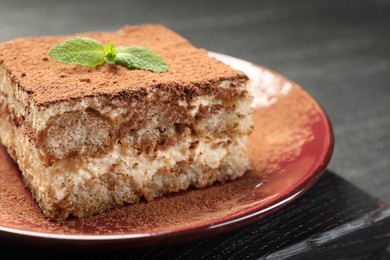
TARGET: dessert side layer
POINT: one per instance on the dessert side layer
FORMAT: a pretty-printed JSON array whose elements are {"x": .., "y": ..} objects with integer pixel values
[
  {"x": 116, "y": 119},
  {"x": 87, "y": 140},
  {"x": 85, "y": 187}
]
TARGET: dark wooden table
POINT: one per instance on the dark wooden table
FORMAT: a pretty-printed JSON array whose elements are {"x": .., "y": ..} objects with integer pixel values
[{"x": 339, "y": 51}]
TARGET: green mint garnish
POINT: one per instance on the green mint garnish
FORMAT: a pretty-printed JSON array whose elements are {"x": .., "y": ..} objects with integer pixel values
[
  {"x": 81, "y": 51},
  {"x": 91, "y": 53},
  {"x": 140, "y": 57},
  {"x": 110, "y": 53}
]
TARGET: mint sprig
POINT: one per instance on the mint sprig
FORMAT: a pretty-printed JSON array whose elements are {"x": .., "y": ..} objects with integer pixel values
[
  {"x": 81, "y": 51},
  {"x": 110, "y": 53},
  {"x": 91, "y": 53},
  {"x": 140, "y": 57}
]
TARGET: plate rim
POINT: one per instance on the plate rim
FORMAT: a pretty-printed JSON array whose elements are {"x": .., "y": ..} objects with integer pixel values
[{"x": 226, "y": 223}]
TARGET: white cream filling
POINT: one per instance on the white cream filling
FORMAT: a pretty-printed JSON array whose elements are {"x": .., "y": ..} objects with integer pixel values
[
  {"x": 120, "y": 160},
  {"x": 204, "y": 101}
]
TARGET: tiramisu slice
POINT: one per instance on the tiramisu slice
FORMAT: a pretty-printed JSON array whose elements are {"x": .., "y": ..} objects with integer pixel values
[{"x": 90, "y": 139}]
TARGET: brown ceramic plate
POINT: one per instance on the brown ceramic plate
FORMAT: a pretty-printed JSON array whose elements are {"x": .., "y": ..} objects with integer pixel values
[{"x": 290, "y": 148}]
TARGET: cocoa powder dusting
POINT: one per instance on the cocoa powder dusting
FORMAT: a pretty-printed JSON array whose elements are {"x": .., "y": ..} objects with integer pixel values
[
  {"x": 51, "y": 81},
  {"x": 282, "y": 131}
]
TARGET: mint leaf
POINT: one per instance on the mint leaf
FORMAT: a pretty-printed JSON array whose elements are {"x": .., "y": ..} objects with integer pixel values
[
  {"x": 91, "y": 53},
  {"x": 110, "y": 53},
  {"x": 81, "y": 51},
  {"x": 137, "y": 57}
]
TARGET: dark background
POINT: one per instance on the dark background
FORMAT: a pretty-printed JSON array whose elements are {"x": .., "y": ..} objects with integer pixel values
[{"x": 339, "y": 51}]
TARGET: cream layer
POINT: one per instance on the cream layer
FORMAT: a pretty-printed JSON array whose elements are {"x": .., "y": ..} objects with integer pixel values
[{"x": 53, "y": 181}]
